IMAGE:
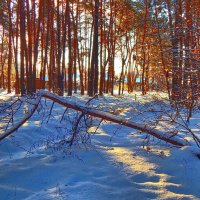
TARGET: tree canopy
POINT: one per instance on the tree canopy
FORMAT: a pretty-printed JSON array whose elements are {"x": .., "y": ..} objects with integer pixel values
[{"x": 99, "y": 46}]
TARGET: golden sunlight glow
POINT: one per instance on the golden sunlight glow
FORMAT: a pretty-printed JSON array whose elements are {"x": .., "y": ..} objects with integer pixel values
[
  {"x": 38, "y": 69},
  {"x": 26, "y": 123},
  {"x": 143, "y": 172}
]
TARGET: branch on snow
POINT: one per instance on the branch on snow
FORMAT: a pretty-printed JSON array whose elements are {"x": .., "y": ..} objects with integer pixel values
[{"x": 95, "y": 113}]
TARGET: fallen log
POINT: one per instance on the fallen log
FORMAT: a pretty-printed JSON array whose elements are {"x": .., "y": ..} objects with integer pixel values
[{"x": 95, "y": 113}]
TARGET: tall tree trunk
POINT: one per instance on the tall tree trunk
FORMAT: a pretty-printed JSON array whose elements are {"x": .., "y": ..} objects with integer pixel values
[
  {"x": 93, "y": 76},
  {"x": 166, "y": 71},
  {"x": 36, "y": 38},
  {"x": 23, "y": 45},
  {"x": 9, "y": 48},
  {"x": 69, "y": 51},
  {"x": 59, "y": 75},
  {"x": 30, "y": 44},
  {"x": 176, "y": 72}
]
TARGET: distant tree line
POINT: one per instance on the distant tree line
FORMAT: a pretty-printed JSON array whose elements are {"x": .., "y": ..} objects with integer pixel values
[{"x": 80, "y": 44}]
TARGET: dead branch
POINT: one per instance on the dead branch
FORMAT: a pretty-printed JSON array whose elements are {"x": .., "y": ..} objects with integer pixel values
[
  {"x": 20, "y": 123},
  {"x": 95, "y": 113}
]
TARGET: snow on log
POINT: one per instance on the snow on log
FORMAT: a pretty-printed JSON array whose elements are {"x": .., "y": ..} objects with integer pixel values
[{"x": 95, "y": 113}]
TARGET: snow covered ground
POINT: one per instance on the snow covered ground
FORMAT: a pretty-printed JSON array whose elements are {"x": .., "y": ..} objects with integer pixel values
[{"x": 116, "y": 163}]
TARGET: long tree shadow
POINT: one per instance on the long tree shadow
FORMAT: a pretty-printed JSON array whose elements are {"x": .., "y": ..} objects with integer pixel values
[{"x": 160, "y": 176}]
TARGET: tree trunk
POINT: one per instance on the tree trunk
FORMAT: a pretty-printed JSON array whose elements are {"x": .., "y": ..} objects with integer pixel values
[
  {"x": 23, "y": 46},
  {"x": 9, "y": 47},
  {"x": 69, "y": 51}
]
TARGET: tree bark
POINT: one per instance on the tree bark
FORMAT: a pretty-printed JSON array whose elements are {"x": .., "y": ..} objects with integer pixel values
[
  {"x": 23, "y": 46},
  {"x": 9, "y": 47},
  {"x": 70, "y": 50}
]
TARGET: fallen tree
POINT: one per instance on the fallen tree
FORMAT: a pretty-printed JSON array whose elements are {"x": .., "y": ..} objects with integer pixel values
[{"x": 86, "y": 110}]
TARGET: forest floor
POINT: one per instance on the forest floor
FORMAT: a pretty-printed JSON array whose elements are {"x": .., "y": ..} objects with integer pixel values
[{"x": 115, "y": 162}]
